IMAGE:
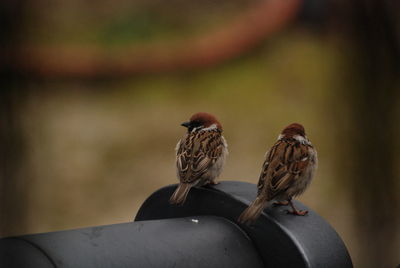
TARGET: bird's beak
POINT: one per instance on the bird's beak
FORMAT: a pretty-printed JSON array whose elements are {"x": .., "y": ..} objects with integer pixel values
[{"x": 186, "y": 124}]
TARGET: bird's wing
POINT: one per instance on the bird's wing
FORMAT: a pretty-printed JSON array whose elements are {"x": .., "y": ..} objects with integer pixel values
[
  {"x": 284, "y": 163},
  {"x": 197, "y": 152}
]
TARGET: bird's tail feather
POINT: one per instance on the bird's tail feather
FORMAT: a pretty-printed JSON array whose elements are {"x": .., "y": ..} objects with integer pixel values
[
  {"x": 180, "y": 194},
  {"x": 253, "y": 211}
]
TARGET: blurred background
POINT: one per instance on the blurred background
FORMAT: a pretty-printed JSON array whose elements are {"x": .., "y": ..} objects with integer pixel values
[{"x": 93, "y": 94}]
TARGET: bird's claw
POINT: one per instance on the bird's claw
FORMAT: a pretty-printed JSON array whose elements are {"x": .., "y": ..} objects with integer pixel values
[
  {"x": 281, "y": 203},
  {"x": 297, "y": 212}
]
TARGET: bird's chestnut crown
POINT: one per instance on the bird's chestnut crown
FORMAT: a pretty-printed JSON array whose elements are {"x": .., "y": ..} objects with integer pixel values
[
  {"x": 293, "y": 130},
  {"x": 202, "y": 120}
]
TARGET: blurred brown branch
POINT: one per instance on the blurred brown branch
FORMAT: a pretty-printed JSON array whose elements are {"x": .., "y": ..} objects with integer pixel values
[
  {"x": 14, "y": 187},
  {"x": 256, "y": 24},
  {"x": 372, "y": 88}
]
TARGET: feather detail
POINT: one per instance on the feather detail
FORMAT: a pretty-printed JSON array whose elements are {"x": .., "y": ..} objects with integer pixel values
[
  {"x": 285, "y": 164},
  {"x": 180, "y": 194},
  {"x": 253, "y": 211},
  {"x": 200, "y": 156},
  {"x": 286, "y": 172},
  {"x": 197, "y": 153}
]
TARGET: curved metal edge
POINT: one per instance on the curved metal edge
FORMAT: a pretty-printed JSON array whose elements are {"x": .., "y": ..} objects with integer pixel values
[
  {"x": 221, "y": 202},
  {"x": 229, "y": 198},
  {"x": 276, "y": 214},
  {"x": 38, "y": 248},
  {"x": 201, "y": 241},
  {"x": 23, "y": 253},
  {"x": 241, "y": 198}
]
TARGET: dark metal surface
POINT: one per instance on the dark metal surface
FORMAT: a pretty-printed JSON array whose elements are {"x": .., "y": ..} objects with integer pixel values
[
  {"x": 201, "y": 233},
  {"x": 182, "y": 242},
  {"x": 281, "y": 239},
  {"x": 20, "y": 253}
]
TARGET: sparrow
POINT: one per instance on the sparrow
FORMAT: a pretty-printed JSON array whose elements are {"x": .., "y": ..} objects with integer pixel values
[
  {"x": 287, "y": 171},
  {"x": 200, "y": 155}
]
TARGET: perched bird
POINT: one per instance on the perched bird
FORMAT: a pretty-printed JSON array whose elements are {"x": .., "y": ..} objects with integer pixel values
[
  {"x": 287, "y": 171},
  {"x": 200, "y": 155}
]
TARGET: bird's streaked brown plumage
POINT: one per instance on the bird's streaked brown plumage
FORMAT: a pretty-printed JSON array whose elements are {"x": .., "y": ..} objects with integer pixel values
[
  {"x": 287, "y": 171},
  {"x": 200, "y": 155}
]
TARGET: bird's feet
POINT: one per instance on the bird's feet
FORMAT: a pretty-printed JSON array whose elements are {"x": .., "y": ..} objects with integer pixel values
[
  {"x": 294, "y": 211},
  {"x": 281, "y": 203},
  {"x": 210, "y": 184},
  {"x": 297, "y": 212}
]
